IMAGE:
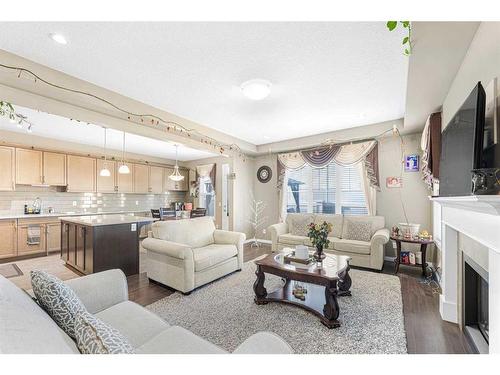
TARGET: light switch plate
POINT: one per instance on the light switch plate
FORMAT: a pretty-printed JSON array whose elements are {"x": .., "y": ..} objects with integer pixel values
[{"x": 133, "y": 227}]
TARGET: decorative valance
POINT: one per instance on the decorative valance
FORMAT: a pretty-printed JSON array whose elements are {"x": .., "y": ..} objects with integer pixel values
[{"x": 347, "y": 154}]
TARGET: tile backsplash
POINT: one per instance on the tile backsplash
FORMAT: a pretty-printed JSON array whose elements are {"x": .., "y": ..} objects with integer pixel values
[{"x": 12, "y": 202}]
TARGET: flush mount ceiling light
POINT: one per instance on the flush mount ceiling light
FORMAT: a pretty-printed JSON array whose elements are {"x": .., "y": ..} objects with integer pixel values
[
  {"x": 124, "y": 167},
  {"x": 58, "y": 38},
  {"x": 105, "y": 172},
  {"x": 256, "y": 89},
  {"x": 176, "y": 176}
]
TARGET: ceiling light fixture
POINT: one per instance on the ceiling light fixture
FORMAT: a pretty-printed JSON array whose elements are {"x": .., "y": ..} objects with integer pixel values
[
  {"x": 58, "y": 38},
  {"x": 124, "y": 169},
  {"x": 176, "y": 176},
  {"x": 105, "y": 172},
  {"x": 256, "y": 89}
]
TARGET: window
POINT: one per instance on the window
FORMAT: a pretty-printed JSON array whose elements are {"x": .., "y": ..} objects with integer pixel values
[
  {"x": 329, "y": 190},
  {"x": 207, "y": 196}
]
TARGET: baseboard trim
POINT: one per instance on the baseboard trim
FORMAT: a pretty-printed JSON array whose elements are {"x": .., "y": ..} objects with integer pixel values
[{"x": 448, "y": 310}]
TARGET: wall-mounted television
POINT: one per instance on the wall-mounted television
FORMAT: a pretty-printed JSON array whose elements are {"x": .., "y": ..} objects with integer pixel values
[{"x": 462, "y": 146}]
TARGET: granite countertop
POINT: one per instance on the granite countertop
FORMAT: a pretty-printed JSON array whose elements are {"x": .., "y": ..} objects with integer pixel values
[
  {"x": 64, "y": 214},
  {"x": 101, "y": 220}
]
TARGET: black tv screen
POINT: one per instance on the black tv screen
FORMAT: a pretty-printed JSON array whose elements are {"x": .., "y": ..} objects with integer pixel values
[{"x": 462, "y": 146}]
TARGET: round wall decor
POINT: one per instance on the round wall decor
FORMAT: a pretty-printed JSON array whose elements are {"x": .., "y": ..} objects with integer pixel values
[{"x": 264, "y": 174}]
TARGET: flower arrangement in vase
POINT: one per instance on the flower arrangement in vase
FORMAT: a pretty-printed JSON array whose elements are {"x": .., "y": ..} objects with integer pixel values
[{"x": 318, "y": 234}]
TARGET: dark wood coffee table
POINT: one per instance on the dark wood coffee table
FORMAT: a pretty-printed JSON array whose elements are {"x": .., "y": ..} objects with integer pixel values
[{"x": 324, "y": 284}]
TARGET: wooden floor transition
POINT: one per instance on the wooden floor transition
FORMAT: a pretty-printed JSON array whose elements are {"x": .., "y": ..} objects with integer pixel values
[{"x": 426, "y": 332}]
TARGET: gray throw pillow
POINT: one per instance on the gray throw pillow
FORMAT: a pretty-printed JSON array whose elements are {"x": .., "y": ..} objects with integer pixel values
[
  {"x": 93, "y": 336},
  {"x": 358, "y": 230},
  {"x": 299, "y": 226},
  {"x": 57, "y": 299}
]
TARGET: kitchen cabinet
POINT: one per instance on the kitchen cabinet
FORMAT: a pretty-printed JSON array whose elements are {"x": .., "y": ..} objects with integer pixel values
[
  {"x": 8, "y": 244},
  {"x": 125, "y": 182},
  {"x": 30, "y": 238},
  {"x": 54, "y": 169},
  {"x": 53, "y": 236},
  {"x": 184, "y": 184},
  {"x": 29, "y": 165},
  {"x": 77, "y": 244},
  {"x": 106, "y": 184},
  {"x": 156, "y": 176},
  {"x": 7, "y": 168},
  {"x": 81, "y": 174},
  {"x": 141, "y": 178}
]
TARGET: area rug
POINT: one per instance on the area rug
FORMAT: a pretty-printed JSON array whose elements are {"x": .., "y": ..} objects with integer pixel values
[
  {"x": 225, "y": 314},
  {"x": 10, "y": 270}
]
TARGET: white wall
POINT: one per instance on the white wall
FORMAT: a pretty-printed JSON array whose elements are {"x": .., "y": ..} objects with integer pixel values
[
  {"x": 414, "y": 194},
  {"x": 481, "y": 63},
  {"x": 242, "y": 190}
]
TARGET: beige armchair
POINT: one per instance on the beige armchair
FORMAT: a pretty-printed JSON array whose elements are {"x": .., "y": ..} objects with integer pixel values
[{"x": 186, "y": 254}]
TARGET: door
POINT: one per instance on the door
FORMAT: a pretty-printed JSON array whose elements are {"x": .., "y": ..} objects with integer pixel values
[
  {"x": 225, "y": 197},
  {"x": 156, "y": 179},
  {"x": 30, "y": 239},
  {"x": 8, "y": 236},
  {"x": 141, "y": 178},
  {"x": 81, "y": 174},
  {"x": 7, "y": 168},
  {"x": 53, "y": 236},
  {"x": 125, "y": 182},
  {"x": 54, "y": 169},
  {"x": 106, "y": 184},
  {"x": 28, "y": 167}
]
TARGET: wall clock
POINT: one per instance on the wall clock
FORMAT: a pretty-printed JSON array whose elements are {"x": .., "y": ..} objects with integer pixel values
[{"x": 264, "y": 174}]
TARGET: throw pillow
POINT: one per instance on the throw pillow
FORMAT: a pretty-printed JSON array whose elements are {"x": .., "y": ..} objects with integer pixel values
[
  {"x": 93, "y": 336},
  {"x": 299, "y": 226},
  {"x": 358, "y": 230},
  {"x": 57, "y": 299}
]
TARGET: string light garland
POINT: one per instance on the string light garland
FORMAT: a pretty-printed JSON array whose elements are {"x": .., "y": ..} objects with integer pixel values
[
  {"x": 7, "y": 110},
  {"x": 149, "y": 120}
]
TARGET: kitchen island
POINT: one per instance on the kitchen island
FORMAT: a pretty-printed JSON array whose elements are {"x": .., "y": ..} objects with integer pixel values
[{"x": 97, "y": 243}]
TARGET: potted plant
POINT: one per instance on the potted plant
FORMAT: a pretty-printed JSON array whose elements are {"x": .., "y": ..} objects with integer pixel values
[{"x": 318, "y": 234}]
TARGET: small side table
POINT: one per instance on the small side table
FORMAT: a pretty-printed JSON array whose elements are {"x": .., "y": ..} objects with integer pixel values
[{"x": 423, "y": 250}]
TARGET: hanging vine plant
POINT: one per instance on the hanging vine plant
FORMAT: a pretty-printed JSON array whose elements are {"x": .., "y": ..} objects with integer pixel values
[{"x": 392, "y": 25}]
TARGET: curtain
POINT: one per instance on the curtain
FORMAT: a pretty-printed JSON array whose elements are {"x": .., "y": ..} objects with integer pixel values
[
  {"x": 369, "y": 190},
  {"x": 207, "y": 170},
  {"x": 348, "y": 154}
]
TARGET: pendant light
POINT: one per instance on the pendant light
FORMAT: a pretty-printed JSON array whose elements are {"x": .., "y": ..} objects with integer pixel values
[
  {"x": 105, "y": 171},
  {"x": 176, "y": 176},
  {"x": 123, "y": 168}
]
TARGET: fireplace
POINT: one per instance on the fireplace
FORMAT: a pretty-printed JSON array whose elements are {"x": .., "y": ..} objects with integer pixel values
[{"x": 475, "y": 304}]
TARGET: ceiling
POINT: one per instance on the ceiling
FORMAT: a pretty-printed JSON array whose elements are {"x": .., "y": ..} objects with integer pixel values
[
  {"x": 64, "y": 129},
  {"x": 325, "y": 76}
]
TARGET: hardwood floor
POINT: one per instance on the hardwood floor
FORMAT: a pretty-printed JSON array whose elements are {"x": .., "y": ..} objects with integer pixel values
[{"x": 426, "y": 333}]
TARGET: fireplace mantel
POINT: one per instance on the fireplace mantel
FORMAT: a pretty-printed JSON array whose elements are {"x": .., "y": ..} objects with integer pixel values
[
  {"x": 487, "y": 204},
  {"x": 478, "y": 217}
]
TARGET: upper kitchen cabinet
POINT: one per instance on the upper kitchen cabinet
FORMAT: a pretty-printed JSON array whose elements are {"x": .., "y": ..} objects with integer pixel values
[
  {"x": 29, "y": 166},
  {"x": 7, "y": 168},
  {"x": 54, "y": 169},
  {"x": 106, "y": 184},
  {"x": 156, "y": 176},
  {"x": 141, "y": 178},
  {"x": 125, "y": 182},
  {"x": 81, "y": 174}
]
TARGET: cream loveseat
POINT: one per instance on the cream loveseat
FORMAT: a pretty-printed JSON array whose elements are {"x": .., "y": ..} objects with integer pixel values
[
  {"x": 25, "y": 328},
  {"x": 186, "y": 254},
  {"x": 360, "y": 237}
]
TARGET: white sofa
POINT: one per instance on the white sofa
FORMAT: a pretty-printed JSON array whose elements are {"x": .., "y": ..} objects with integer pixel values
[
  {"x": 368, "y": 254},
  {"x": 26, "y": 329},
  {"x": 186, "y": 254}
]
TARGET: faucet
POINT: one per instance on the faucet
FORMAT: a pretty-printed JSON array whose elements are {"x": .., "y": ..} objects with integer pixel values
[{"x": 37, "y": 205}]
